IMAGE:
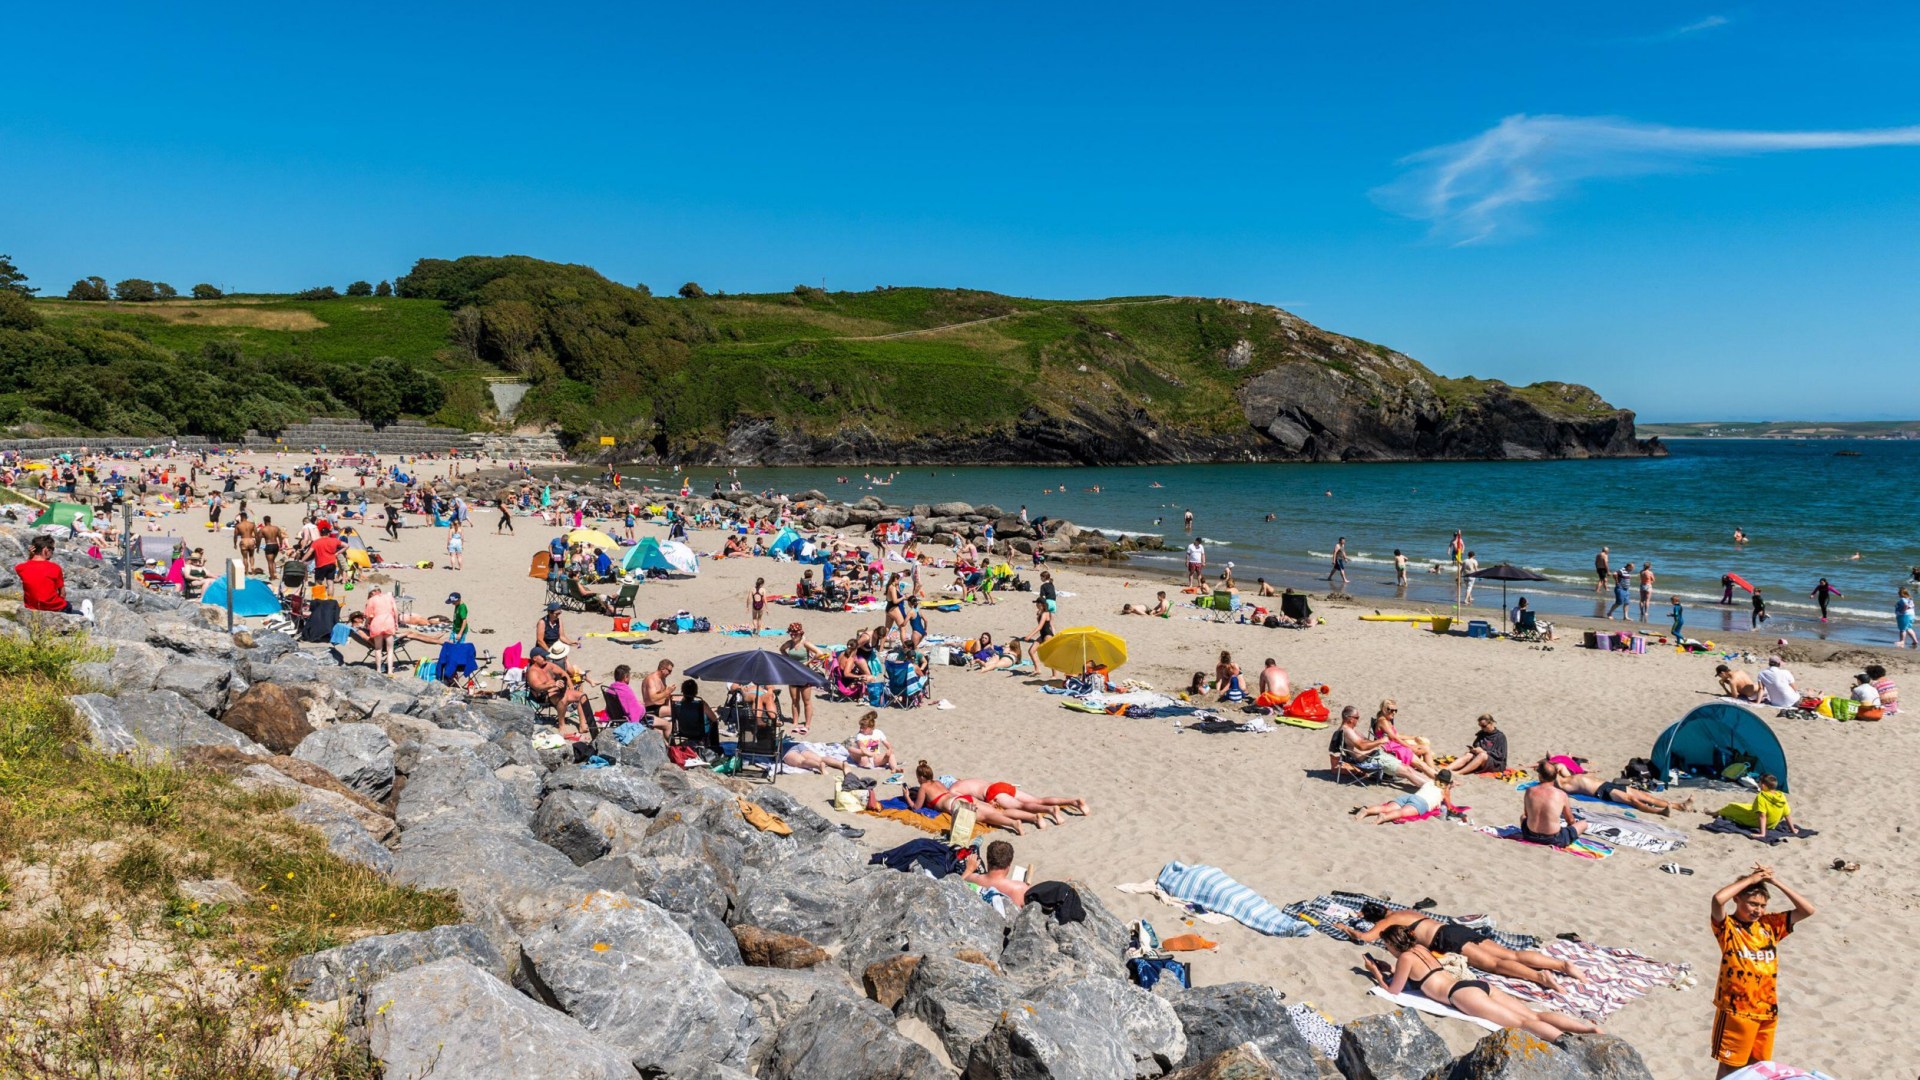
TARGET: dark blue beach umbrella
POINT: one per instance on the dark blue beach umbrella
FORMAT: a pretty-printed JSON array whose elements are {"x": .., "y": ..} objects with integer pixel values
[
  {"x": 1503, "y": 573},
  {"x": 756, "y": 666}
]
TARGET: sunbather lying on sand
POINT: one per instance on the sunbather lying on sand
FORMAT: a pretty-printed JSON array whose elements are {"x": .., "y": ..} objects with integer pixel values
[
  {"x": 931, "y": 793},
  {"x": 1160, "y": 607},
  {"x": 1431, "y": 795},
  {"x": 1414, "y": 965},
  {"x": 1477, "y": 946},
  {"x": 1614, "y": 791},
  {"x": 1007, "y": 797}
]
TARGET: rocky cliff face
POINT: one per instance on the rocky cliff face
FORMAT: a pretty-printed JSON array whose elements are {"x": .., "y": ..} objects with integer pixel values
[{"x": 1295, "y": 411}]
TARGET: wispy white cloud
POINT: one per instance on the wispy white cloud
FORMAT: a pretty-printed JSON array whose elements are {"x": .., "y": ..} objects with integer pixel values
[
  {"x": 1473, "y": 190},
  {"x": 1698, "y": 26}
]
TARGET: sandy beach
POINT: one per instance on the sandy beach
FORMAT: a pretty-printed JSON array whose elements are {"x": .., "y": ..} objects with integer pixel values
[{"x": 1261, "y": 807}]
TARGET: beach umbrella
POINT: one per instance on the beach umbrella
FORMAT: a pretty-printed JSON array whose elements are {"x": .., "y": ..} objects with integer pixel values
[
  {"x": 1503, "y": 573},
  {"x": 757, "y": 667},
  {"x": 254, "y": 599},
  {"x": 655, "y": 554},
  {"x": 1073, "y": 648},
  {"x": 593, "y": 536}
]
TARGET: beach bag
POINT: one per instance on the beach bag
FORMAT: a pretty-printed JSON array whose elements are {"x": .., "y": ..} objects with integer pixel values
[
  {"x": 1306, "y": 705},
  {"x": 1639, "y": 773},
  {"x": 1147, "y": 971},
  {"x": 701, "y": 625},
  {"x": 1843, "y": 708},
  {"x": 1271, "y": 622},
  {"x": 964, "y": 821},
  {"x": 683, "y": 622},
  {"x": 940, "y": 655},
  {"x": 1871, "y": 712},
  {"x": 622, "y": 624}
]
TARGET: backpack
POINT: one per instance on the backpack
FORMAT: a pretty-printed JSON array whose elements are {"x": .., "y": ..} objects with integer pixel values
[{"x": 1639, "y": 773}]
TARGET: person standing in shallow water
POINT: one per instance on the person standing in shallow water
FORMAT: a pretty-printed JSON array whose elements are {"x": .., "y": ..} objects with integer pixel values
[
  {"x": 1620, "y": 593},
  {"x": 1823, "y": 594}
]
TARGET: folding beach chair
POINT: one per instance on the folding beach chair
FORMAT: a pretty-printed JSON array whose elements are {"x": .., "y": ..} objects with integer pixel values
[
  {"x": 906, "y": 687},
  {"x": 616, "y": 712},
  {"x": 1348, "y": 772},
  {"x": 623, "y": 603}
]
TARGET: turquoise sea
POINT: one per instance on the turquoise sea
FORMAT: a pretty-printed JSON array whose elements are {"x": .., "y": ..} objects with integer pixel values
[{"x": 1806, "y": 511}]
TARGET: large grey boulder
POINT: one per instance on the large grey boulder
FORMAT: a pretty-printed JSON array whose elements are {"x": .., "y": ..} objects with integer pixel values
[
  {"x": 345, "y": 835},
  {"x": 203, "y": 682},
  {"x": 461, "y": 785},
  {"x": 449, "y": 1020},
  {"x": 816, "y": 906},
  {"x": 361, "y": 755},
  {"x": 499, "y": 871},
  {"x": 1243, "y": 1062},
  {"x": 190, "y": 640},
  {"x": 1218, "y": 1018},
  {"x": 1041, "y": 952},
  {"x": 1512, "y": 1054},
  {"x": 1149, "y": 1026},
  {"x": 581, "y": 826},
  {"x": 958, "y": 1000},
  {"x": 777, "y": 996},
  {"x": 911, "y": 913},
  {"x": 625, "y": 786},
  {"x": 646, "y": 752},
  {"x": 838, "y": 1037},
  {"x": 675, "y": 882},
  {"x": 352, "y": 968},
  {"x": 152, "y": 724},
  {"x": 115, "y": 621},
  {"x": 627, "y": 971},
  {"x": 1390, "y": 1046},
  {"x": 134, "y": 667},
  {"x": 1035, "y": 1042}
]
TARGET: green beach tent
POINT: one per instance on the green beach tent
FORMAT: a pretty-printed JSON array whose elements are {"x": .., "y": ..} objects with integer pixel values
[{"x": 72, "y": 515}]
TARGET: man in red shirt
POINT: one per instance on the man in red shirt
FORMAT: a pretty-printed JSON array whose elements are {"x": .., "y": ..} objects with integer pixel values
[
  {"x": 326, "y": 554},
  {"x": 44, "y": 584}
]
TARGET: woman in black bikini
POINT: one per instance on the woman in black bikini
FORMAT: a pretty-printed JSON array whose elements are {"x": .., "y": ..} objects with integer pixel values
[
  {"x": 1416, "y": 967},
  {"x": 1476, "y": 946}
]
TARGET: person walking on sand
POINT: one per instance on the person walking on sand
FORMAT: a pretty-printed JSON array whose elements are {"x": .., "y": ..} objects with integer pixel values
[
  {"x": 1679, "y": 620},
  {"x": 757, "y": 604},
  {"x": 1600, "y": 574},
  {"x": 1196, "y": 564},
  {"x": 1824, "y": 593},
  {"x": 454, "y": 545},
  {"x": 1903, "y": 621},
  {"x": 506, "y": 517},
  {"x": 1646, "y": 589},
  {"x": 1468, "y": 568},
  {"x": 1339, "y": 563},
  {"x": 1746, "y": 998},
  {"x": 1620, "y": 593}
]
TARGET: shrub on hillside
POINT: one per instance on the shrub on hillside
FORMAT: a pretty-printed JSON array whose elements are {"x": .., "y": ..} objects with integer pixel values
[
  {"x": 135, "y": 290},
  {"x": 318, "y": 292},
  {"x": 383, "y": 289},
  {"x": 203, "y": 291},
  {"x": 93, "y": 288},
  {"x": 692, "y": 291},
  {"x": 360, "y": 288}
]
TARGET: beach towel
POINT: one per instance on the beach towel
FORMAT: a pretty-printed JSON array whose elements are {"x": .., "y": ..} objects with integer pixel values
[
  {"x": 1344, "y": 907},
  {"x": 1419, "y": 1002},
  {"x": 1722, "y": 825},
  {"x": 1436, "y": 812},
  {"x": 1317, "y": 1028},
  {"x": 1211, "y": 888},
  {"x": 1192, "y": 911},
  {"x": 923, "y": 819},
  {"x": 1615, "y": 978},
  {"x": 1623, "y": 829},
  {"x": 1584, "y": 847}
]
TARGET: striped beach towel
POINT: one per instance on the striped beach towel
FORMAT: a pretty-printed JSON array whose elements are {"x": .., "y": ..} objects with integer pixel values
[{"x": 1211, "y": 888}]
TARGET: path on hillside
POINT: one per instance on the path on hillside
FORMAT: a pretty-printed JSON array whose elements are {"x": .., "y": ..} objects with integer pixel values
[{"x": 1015, "y": 314}]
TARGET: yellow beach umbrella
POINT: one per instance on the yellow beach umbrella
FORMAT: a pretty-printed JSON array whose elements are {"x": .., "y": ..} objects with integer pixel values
[
  {"x": 1073, "y": 648},
  {"x": 592, "y": 536},
  {"x": 36, "y": 466}
]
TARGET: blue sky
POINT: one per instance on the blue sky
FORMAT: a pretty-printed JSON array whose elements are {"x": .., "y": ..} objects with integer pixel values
[{"x": 1701, "y": 211}]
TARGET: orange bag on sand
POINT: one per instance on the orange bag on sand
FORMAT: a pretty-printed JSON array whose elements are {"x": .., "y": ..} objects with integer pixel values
[
  {"x": 1188, "y": 943},
  {"x": 1270, "y": 701},
  {"x": 1306, "y": 705}
]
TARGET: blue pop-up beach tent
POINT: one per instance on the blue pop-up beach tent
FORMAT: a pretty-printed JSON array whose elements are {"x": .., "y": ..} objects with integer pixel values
[
  {"x": 1714, "y": 736},
  {"x": 254, "y": 599},
  {"x": 784, "y": 539},
  {"x": 668, "y": 555}
]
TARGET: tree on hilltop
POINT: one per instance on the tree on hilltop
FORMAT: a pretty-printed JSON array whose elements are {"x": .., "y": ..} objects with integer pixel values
[
  {"x": 383, "y": 289},
  {"x": 692, "y": 290},
  {"x": 204, "y": 291},
  {"x": 360, "y": 288},
  {"x": 135, "y": 290},
  {"x": 93, "y": 288},
  {"x": 11, "y": 279},
  {"x": 163, "y": 291},
  {"x": 318, "y": 292}
]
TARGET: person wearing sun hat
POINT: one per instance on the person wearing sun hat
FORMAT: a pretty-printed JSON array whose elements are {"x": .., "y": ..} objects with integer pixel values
[{"x": 459, "y": 616}]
